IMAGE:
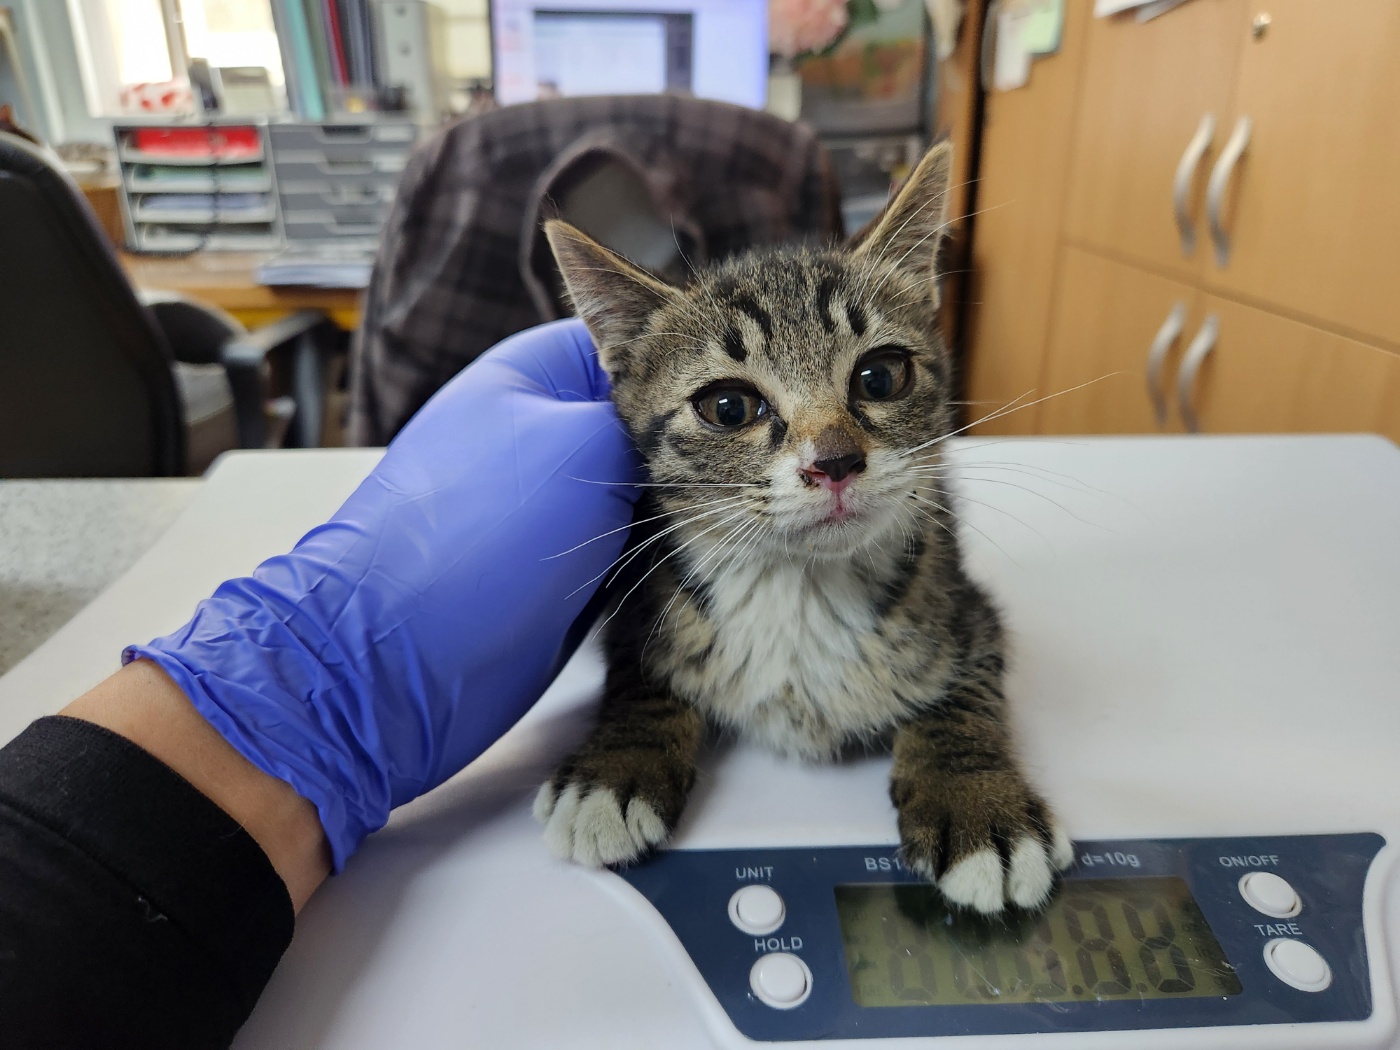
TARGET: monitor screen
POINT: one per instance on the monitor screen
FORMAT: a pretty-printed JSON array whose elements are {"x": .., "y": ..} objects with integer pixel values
[{"x": 708, "y": 48}]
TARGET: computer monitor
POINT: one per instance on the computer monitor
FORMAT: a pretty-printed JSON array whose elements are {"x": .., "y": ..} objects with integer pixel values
[{"x": 707, "y": 48}]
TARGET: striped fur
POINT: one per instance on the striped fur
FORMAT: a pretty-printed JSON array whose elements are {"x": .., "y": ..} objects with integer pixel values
[{"x": 756, "y": 599}]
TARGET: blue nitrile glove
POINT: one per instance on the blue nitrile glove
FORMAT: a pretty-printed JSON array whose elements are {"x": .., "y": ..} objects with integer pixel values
[{"x": 398, "y": 640}]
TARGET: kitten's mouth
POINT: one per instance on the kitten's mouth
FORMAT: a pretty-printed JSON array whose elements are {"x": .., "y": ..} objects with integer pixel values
[{"x": 840, "y": 513}]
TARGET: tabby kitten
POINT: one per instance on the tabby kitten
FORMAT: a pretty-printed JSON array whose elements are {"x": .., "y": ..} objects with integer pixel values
[{"x": 795, "y": 574}]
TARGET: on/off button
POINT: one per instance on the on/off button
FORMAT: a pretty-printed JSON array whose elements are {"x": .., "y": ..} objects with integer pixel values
[{"x": 1266, "y": 892}]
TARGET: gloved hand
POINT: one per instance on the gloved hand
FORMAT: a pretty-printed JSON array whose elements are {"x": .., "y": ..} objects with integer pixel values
[{"x": 401, "y": 638}]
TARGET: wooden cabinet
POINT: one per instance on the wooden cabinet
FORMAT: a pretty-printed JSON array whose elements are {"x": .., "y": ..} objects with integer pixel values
[
  {"x": 1316, "y": 200},
  {"x": 1109, "y": 319},
  {"x": 1131, "y": 351},
  {"x": 1022, "y": 173},
  {"x": 1079, "y": 268},
  {"x": 1267, "y": 373},
  {"x": 1147, "y": 89}
]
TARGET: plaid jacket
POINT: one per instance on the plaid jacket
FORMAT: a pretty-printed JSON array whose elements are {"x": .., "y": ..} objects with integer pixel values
[{"x": 463, "y": 264}]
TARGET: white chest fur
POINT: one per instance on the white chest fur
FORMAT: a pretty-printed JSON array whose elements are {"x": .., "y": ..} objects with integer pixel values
[{"x": 796, "y": 662}]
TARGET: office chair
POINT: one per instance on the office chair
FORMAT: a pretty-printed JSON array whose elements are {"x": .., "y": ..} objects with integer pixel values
[
  {"x": 668, "y": 180},
  {"x": 96, "y": 383}
]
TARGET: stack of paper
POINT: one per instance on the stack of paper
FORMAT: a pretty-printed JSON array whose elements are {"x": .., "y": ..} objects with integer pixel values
[
  {"x": 1146, "y": 9},
  {"x": 328, "y": 266}
]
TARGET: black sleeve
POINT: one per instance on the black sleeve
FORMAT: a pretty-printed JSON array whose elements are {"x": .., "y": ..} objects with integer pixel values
[{"x": 134, "y": 912}]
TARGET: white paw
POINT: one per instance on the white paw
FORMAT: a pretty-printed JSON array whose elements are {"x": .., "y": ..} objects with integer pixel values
[
  {"x": 1029, "y": 876},
  {"x": 975, "y": 882},
  {"x": 981, "y": 882},
  {"x": 1061, "y": 849},
  {"x": 592, "y": 829}
]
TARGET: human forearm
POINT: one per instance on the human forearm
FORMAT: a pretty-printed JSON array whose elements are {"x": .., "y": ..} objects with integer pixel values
[
  {"x": 141, "y": 703},
  {"x": 133, "y": 910}
]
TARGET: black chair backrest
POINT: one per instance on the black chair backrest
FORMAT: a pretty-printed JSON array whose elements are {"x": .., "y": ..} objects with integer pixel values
[{"x": 86, "y": 388}]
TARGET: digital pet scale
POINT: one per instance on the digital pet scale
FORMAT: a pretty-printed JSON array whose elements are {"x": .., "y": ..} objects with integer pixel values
[{"x": 1206, "y": 685}]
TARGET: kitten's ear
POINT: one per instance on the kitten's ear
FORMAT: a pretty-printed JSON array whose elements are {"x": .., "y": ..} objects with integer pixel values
[
  {"x": 908, "y": 232},
  {"x": 613, "y": 297}
]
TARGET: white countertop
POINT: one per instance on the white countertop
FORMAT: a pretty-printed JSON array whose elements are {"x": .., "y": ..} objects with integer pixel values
[{"x": 1206, "y": 643}]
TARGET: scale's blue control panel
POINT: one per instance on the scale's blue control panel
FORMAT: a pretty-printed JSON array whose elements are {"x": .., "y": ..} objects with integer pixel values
[{"x": 844, "y": 943}]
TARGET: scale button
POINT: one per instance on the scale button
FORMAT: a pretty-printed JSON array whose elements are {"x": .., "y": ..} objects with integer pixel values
[
  {"x": 1266, "y": 892},
  {"x": 757, "y": 909},
  {"x": 781, "y": 980},
  {"x": 1298, "y": 964}
]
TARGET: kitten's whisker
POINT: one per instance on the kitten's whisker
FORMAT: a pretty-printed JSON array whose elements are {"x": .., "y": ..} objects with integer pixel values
[
  {"x": 941, "y": 457},
  {"x": 1000, "y": 510},
  {"x": 974, "y": 528},
  {"x": 1008, "y": 410},
  {"x": 644, "y": 521},
  {"x": 932, "y": 233},
  {"x": 1033, "y": 492},
  {"x": 1033, "y": 470},
  {"x": 1003, "y": 410},
  {"x": 870, "y": 267},
  {"x": 929, "y": 517},
  {"x": 922, "y": 292},
  {"x": 749, "y": 545},
  {"x": 676, "y": 484},
  {"x": 961, "y": 475},
  {"x": 627, "y": 556},
  {"x": 681, "y": 251},
  {"x": 682, "y": 524},
  {"x": 943, "y": 226},
  {"x": 993, "y": 440},
  {"x": 650, "y": 334},
  {"x": 661, "y": 562},
  {"x": 655, "y": 565},
  {"x": 742, "y": 529}
]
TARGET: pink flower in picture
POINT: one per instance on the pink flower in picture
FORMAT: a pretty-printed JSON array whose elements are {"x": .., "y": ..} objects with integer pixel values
[{"x": 796, "y": 27}]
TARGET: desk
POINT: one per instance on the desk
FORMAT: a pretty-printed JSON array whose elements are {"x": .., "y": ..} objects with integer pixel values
[
  {"x": 225, "y": 279},
  {"x": 1204, "y": 636}
]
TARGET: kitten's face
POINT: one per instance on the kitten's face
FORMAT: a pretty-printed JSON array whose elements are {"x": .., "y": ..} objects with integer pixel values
[{"x": 780, "y": 399}]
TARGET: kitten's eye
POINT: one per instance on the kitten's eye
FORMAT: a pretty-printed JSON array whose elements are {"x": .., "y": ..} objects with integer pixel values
[
  {"x": 881, "y": 375},
  {"x": 730, "y": 406}
]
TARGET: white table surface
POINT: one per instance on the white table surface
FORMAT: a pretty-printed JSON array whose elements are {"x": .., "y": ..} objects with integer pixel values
[{"x": 1207, "y": 642}]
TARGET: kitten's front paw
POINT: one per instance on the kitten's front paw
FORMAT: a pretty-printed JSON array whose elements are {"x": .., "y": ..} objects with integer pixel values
[
  {"x": 985, "y": 840},
  {"x": 590, "y": 823}
]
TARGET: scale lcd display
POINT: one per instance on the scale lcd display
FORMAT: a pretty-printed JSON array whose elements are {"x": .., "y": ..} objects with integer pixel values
[{"x": 1135, "y": 938}]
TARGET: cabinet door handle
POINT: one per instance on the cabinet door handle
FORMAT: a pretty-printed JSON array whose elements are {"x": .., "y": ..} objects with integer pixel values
[
  {"x": 1196, "y": 353},
  {"x": 1185, "y": 176},
  {"x": 1166, "y": 336},
  {"x": 1219, "y": 180},
  {"x": 987, "y": 52}
]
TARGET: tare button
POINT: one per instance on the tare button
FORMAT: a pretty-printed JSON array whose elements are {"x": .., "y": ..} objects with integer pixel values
[
  {"x": 1297, "y": 964},
  {"x": 757, "y": 909},
  {"x": 1266, "y": 892}
]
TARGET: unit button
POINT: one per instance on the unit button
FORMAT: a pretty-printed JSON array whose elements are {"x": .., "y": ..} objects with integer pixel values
[
  {"x": 756, "y": 909},
  {"x": 781, "y": 980},
  {"x": 1264, "y": 891},
  {"x": 1298, "y": 964}
]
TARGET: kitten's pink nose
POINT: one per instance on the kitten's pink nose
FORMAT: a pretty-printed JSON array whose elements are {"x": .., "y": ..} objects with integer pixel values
[{"x": 836, "y": 473}]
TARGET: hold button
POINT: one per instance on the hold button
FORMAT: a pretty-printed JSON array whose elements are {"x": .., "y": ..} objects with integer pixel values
[{"x": 781, "y": 980}]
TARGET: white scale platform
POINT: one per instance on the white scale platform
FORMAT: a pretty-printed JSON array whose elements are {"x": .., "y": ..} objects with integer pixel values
[{"x": 1207, "y": 644}]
